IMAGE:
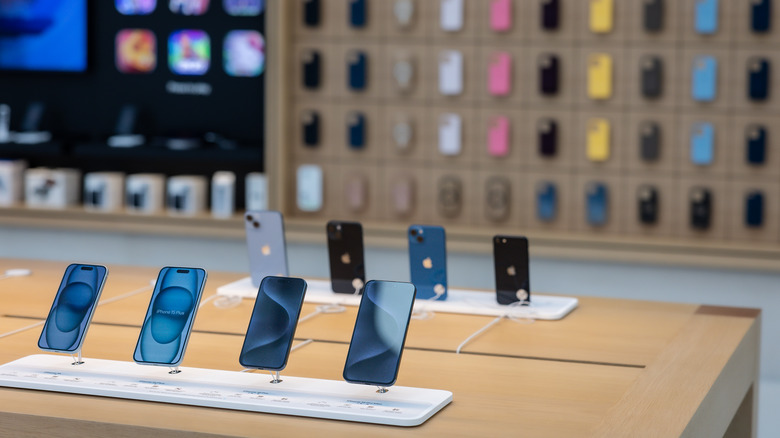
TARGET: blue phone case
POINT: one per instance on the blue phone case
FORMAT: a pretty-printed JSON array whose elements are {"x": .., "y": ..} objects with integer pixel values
[
  {"x": 597, "y": 204},
  {"x": 758, "y": 79},
  {"x": 546, "y": 201},
  {"x": 761, "y": 16},
  {"x": 428, "y": 261},
  {"x": 356, "y": 131},
  {"x": 754, "y": 209},
  {"x": 72, "y": 309},
  {"x": 358, "y": 71},
  {"x": 704, "y": 80},
  {"x": 706, "y": 17},
  {"x": 358, "y": 13},
  {"x": 169, "y": 318},
  {"x": 702, "y": 144},
  {"x": 756, "y": 144}
]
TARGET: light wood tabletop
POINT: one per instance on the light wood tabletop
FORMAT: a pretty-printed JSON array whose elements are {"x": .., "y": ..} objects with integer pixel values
[{"x": 611, "y": 368}]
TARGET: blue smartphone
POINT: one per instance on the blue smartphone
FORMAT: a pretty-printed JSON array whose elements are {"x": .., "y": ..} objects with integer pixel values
[
  {"x": 378, "y": 339},
  {"x": 73, "y": 307},
  {"x": 597, "y": 204},
  {"x": 706, "y": 17},
  {"x": 428, "y": 261},
  {"x": 169, "y": 318},
  {"x": 546, "y": 201},
  {"x": 356, "y": 130},
  {"x": 702, "y": 144},
  {"x": 272, "y": 326},
  {"x": 704, "y": 80}
]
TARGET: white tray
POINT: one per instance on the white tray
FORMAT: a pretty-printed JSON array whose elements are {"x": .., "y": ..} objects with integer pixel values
[
  {"x": 471, "y": 302},
  {"x": 330, "y": 399}
]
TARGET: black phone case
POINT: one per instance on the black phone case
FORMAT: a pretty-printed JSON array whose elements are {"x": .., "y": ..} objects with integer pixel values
[
  {"x": 450, "y": 199},
  {"x": 647, "y": 197},
  {"x": 758, "y": 79},
  {"x": 761, "y": 16},
  {"x": 497, "y": 198},
  {"x": 310, "y": 124},
  {"x": 312, "y": 11},
  {"x": 653, "y": 15},
  {"x": 357, "y": 79},
  {"x": 754, "y": 209},
  {"x": 311, "y": 69},
  {"x": 510, "y": 260},
  {"x": 548, "y": 137},
  {"x": 649, "y": 141},
  {"x": 701, "y": 208},
  {"x": 358, "y": 13},
  {"x": 549, "y": 67},
  {"x": 652, "y": 77},
  {"x": 345, "y": 253},
  {"x": 756, "y": 137},
  {"x": 550, "y": 16}
]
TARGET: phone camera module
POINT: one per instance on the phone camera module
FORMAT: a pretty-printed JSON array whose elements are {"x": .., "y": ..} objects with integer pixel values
[
  {"x": 413, "y": 232},
  {"x": 420, "y": 239},
  {"x": 256, "y": 224}
]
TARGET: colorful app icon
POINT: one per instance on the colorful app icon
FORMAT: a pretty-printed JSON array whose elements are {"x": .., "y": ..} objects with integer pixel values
[
  {"x": 189, "y": 52},
  {"x": 246, "y": 8},
  {"x": 136, "y": 51},
  {"x": 136, "y": 7},
  {"x": 189, "y": 7},
  {"x": 244, "y": 53}
]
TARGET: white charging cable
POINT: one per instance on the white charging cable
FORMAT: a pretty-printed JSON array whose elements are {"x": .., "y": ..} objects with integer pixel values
[
  {"x": 423, "y": 313},
  {"x": 494, "y": 322}
]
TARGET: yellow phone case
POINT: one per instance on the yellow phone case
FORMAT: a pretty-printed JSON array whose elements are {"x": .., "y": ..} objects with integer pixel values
[
  {"x": 601, "y": 16},
  {"x": 598, "y": 140},
  {"x": 599, "y": 76}
]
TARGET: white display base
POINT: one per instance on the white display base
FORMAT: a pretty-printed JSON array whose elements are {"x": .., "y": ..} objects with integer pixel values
[
  {"x": 304, "y": 397},
  {"x": 464, "y": 301}
]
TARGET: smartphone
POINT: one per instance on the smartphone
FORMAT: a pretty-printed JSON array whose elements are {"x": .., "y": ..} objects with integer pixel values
[
  {"x": 169, "y": 318},
  {"x": 345, "y": 254},
  {"x": 73, "y": 307},
  {"x": 265, "y": 241},
  {"x": 271, "y": 328},
  {"x": 510, "y": 259},
  {"x": 428, "y": 261},
  {"x": 378, "y": 339}
]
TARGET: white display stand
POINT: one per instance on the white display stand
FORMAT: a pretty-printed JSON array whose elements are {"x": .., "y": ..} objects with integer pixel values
[
  {"x": 471, "y": 302},
  {"x": 330, "y": 399}
]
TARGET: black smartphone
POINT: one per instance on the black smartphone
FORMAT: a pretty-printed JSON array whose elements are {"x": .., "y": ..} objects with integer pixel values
[
  {"x": 345, "y": 253},
  {"x": 651, "y": 76},
  {"x": 550, "y": 14},
  {"x": 653, "y": 15},
  {"x": 272, "y": 326},
  {"x": 649, "y": 141},
  {"x": 510, "y": 259},
  {"x": 647, "y": 198},
  {"x": 758, "y": 79},
  {"x": 379, "y": 336},
  {"x": 311, "y": 69},
  {"x": 761, "y": 16},
  {"x": 756, "y": 139},
  {"x": 310, "y": 126},
  {"x": 547, "y": 137},
  {"x": 72, "y": 309},
  {"x": 549, "y": 74},
  {"x": 311, "y": 13},
  {"x": 701, "y": 208}
]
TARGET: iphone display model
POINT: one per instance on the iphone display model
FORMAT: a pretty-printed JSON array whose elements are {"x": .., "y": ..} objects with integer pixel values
[
  {"x": 510, "y": 258},
  {"x": 378, "y": 339},
  {"x": 428, "y": 261},
  {"x": 345, "y": 253},
  {"x": 272, "y": 326},
  {"x": 169, "y": 318},
  {"x": 265, "y": 241},
  {"x": 74, "y": 304}
]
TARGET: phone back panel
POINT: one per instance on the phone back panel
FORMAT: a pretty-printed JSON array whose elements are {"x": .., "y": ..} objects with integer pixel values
[
  {"x": 266, "y": 245},
  {"x": 345, "y": 253},
  {"x": 428, "y": 261},
  {"x": 510, "y": 259}
]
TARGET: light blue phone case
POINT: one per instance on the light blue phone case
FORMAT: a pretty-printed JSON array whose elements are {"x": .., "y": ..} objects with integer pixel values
[
  {"x": 428, "y": 261},
  {"x": 704, "y": 80},
  {"x": 596, "y": 205},
  {"x": 702, "y": 144},
  {"x": 706, "y": 17}
]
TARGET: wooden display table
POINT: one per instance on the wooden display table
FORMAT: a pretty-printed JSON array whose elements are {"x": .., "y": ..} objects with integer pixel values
[{"x": 611, "y": 368}]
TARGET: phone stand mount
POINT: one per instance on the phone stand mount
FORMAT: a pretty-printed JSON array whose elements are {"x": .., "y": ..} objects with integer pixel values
[
  {"x": 77, "y": 358},
  {"x": 174, "y": 370},
  {"x": 382, "y": 389},
  {"x": 275, "y": 377}
]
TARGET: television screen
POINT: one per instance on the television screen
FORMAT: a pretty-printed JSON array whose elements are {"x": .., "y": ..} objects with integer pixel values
[{"x": 43, "y": 35}]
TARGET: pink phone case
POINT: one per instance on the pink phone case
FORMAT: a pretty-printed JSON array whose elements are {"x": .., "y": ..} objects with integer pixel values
[
  {"x": 498, "y": 136},
  {"x": 500, "y": 74},
  {"x": 501, "y": 15},
  {"x": 403, "y": 196},
  {"x": 356, "y": 193}
]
